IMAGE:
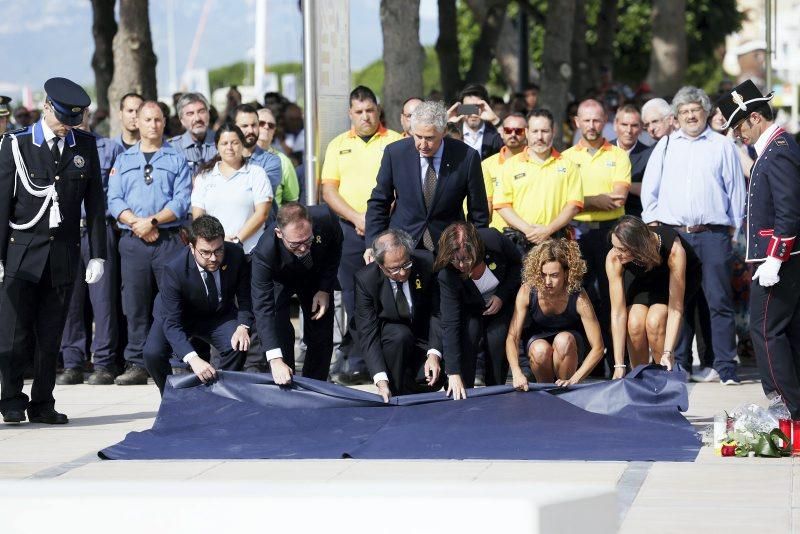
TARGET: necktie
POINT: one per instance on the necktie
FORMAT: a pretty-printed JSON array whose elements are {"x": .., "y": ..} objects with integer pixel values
[
  {"x": 428, "y": 190},
  {"x": 401, "y": 302},
  {"x": 213, "y": 294},
  {"x": 307, "y": 261},
  {"x": 55, "y": 151}
]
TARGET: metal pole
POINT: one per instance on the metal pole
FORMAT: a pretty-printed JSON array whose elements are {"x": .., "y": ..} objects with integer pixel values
[
  {"x": 310, "y": 99},
  {"x": 260, "y": 52},
  {"x": 768, "y": 58}
]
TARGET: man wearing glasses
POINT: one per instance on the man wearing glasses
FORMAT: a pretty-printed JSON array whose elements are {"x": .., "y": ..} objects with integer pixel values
[
  {"x": 289, "y": 189},
  {"x": 694, "y": 183},
  {"x": 397, "y": 317},
  {"x": 149, "y": 192},
  {"x": 297, "y": 255},
  {"x": 205, "y": 293},
  {"x": 513, "y": 135}
]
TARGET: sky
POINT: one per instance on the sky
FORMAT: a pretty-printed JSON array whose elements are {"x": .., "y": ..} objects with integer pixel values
[{"x": 45, "y": 38}]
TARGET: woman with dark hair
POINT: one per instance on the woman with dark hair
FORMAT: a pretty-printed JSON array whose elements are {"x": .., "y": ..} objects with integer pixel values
[
  {"x": 232, "y": 190},
  {"x": 478, "y": 276},
  {"x": 560, "y": 317},
  {"x": 652, "y": 272}
]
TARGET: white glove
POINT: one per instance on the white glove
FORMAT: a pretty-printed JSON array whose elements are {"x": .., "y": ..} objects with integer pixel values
[
  {"x": 2, "y": 272},
  {"x": 767, "y": 272},
  {"x": 94, "y": 270}
]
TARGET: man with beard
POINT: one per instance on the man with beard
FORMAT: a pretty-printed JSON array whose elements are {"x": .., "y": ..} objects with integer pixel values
[
  {"x": 628, "y": 126},
  {"x": 245, "y": 117},
  {"x": 605, "y": 171},
  {"x": 513, "y": 134},
  {"x": 197, "y": 142}
]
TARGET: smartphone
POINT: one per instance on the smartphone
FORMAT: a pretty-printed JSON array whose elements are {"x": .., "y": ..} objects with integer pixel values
[{"x": 468, "y": 109}]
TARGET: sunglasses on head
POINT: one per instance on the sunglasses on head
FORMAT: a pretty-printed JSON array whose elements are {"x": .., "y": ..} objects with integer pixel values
[
  {"x": 265, "y": 124},
  {"x": 517, "y": 131},
  {"x": 148, "y": 174}
]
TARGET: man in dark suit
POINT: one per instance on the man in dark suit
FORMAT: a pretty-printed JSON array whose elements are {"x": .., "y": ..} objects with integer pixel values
[
  {"x": 628, "y": 127},
  {"x": 478, "y": 130},
  {"x": 205, "y": 293},
  {"x": 298, "y": 254},
  {"x": 423, "y": 181},
  {"x": 397, "y": 317},
  {"x": 46, "y": 171}
]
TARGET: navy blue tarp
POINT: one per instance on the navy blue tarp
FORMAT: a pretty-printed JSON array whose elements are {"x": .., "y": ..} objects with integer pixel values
[{"x": 247, "y": 416}]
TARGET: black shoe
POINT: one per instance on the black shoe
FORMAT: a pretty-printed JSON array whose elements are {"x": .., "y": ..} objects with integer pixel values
[
  {"x": 134, "y": 376},
  {"x": 70, "y": 377},
  {"x": 14, "y": 416},
  {"x": 353, "y": 379},
  {"x": 48, "y": 416},
  {"x": 100, "y": 377}
]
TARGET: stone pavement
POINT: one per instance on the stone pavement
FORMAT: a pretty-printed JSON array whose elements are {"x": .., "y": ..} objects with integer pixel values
[{"x": 710, "y": 495}]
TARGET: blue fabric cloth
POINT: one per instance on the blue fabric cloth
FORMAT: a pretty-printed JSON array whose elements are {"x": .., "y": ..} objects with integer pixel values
[
  {"x": 171, "y": 187},
  {"x": 247, "y": 416},
  {"x": 698, "y": 181}
]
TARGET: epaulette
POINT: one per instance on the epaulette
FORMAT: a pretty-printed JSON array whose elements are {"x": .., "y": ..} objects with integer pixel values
[{"x": 17, "y": 131}]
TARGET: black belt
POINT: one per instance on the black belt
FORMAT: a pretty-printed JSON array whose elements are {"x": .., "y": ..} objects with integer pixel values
[{"x": 699, "y": 228}]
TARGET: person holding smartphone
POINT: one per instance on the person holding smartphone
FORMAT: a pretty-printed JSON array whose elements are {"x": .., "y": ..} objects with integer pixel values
[
  {"x": 479, "y": 275},
  {"x": 478, "y": 122}
]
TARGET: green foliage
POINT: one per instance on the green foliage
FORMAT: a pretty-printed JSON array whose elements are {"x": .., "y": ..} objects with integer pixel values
[
  {"x": 372, "y": 75},
  {"x": 241, "y": 73}
]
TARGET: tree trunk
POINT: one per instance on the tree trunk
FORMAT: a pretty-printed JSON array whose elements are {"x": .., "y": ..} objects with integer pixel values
[
  {"x": 668, "y": 58},
  {"x": 403, "y": 56},
  {"x": 556, "y": 70},
  {"x": 606, "y": 32},
  {"x": 104, "y": 27},
  {"x": 447, "y": 50},
  {"x": 134, "y": 60},
  {"x": 492, "y": 21},
  {"x": 582, "y": 64}
]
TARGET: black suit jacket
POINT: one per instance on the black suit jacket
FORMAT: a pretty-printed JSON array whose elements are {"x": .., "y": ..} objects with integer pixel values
[
  {"x": 639, "y": 156},
  {"x": 183, "y": 301},
  {"x": 492, "y": 142},
  {"x": 460, "y": 296},
  {"x": 400, "y": 182},
  {"x": 376, "y": 306},
  {"x": 272, "y": 262},
  {"x": 24, "y": 253}
]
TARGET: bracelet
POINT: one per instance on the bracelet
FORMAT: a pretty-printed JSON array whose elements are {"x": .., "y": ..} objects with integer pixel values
[
  {"x": 620, "y": 366},
  {"x": 666, "y": 352}
]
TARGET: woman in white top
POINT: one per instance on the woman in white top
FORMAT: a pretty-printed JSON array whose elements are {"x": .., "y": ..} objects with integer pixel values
[
  {"x": 479, "y": 275},
  {"x": 235, "y": 192}
]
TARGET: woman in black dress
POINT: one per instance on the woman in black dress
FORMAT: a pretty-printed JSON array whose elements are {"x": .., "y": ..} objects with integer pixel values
[
  {"x": 479, "y": 272},
  {"x": 652, "y": 272},
  {"x": 559, "y": 317}
]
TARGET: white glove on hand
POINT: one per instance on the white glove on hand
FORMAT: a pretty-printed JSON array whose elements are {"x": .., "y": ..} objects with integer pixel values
[
  {"x": 94, "y": 270},
  {"x": 2, "y": 272},
  {"x": 767, "y": 272}
]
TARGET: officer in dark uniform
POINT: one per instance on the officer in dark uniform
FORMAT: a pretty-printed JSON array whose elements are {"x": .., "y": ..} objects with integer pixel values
[
  {"x": 102, "y": 295},
  {"x": 773, "y": 220},
  {"x": 5, "y": 113},
  {"x": 46, "y": 171}
]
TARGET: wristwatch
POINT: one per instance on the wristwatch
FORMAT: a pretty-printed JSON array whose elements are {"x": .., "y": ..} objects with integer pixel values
[
  {"x": 154, "y": 222},
  {"x": 236, "y": 240}
]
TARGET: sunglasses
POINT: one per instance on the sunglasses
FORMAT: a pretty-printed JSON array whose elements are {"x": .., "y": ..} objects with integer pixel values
[
  {"x": 517, "y": 131},
  {"x": 148, "y": 174},
  {"x": 265, "y": 124}
]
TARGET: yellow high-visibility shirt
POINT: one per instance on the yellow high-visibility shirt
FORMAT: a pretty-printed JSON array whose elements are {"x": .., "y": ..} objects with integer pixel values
[{"x": 600, "y": 172}]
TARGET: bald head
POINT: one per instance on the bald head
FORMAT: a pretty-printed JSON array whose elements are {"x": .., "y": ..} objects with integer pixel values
[{"x": 590, "y": 121}]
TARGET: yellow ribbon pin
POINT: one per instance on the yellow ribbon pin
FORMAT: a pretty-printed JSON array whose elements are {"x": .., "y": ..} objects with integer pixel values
[
  {"x": 492, "y": 266},
  {"x": 418, "y": 284}
]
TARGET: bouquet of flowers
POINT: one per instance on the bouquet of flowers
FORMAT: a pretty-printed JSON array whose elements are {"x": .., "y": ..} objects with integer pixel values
[{"x": 751, "y": 430}]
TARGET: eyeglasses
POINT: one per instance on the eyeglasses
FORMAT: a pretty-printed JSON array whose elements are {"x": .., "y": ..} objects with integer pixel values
[
  {"x": 685, "y": 112},
  {"x": 294, "y": 245},
  {"x": 461, "y": 261},
  {"x": 265, "y": 124},
  {"x": 517, "y": 131},
  {"x": 206, "y": 254},
  {"x": 148, "y": 174},
  {"x": 398, "y": 270}
]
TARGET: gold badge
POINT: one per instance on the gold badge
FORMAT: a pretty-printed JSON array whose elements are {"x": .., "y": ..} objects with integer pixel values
[
  {"x": 492, "y": 266},
  {"x": 418, "y": 284},
  {"x": 76, "y": 109},
  {"x": 224, "y": 267}
]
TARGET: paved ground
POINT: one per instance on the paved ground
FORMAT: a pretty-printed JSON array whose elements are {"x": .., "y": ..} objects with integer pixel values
[{"x": 712, "y": 494}]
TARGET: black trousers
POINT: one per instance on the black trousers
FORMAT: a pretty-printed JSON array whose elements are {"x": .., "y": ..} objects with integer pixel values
[
  {"x": 405, "y": 360},
  {"x": 485, "y": 334},
  {"x": 317, "y": 334},
  {"x": 775, "y": 332},
  {"x": 32, "y": 317},
  {"x": 216, "y": 332},
  {"x": 595, "y": 245}
]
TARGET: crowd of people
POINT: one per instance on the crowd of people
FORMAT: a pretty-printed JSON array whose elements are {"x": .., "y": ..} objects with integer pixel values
[{"x": 467, "y": 249}]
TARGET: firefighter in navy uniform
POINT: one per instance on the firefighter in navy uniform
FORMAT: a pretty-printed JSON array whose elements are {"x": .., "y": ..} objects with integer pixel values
[
  {"x": 46, "y": 171},
  {"x": 773, "y": 220}
]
